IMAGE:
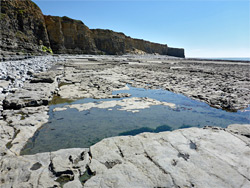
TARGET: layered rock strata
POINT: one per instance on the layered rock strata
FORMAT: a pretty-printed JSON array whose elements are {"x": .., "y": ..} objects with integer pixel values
[
  {"x": 110, "y": 42},
  {"x": 24, "y": 29},
  {"x": 69, "y": 36}
]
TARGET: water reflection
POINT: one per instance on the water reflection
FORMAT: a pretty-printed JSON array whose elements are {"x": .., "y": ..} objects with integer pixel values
[{"x": 71, "y": 128}]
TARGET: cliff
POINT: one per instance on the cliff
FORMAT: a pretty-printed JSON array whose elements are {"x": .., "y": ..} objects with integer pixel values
[
  {"x": 176, "y": 52},
  {"x": 25, "y": 29},
  {"x": 111, "y": 42},
  {"x": 22, "y": 27},
  {"x": 69, "y": 36}
]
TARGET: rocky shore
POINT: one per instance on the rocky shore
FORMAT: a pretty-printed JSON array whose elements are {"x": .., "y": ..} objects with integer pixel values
[{"x": 191, "y": 157}]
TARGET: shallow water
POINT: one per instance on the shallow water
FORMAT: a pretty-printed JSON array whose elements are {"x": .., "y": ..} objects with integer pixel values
[{"x": 71, "y": 128}]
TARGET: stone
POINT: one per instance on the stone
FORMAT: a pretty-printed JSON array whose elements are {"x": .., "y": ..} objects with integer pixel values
[
  {"x": 114, "y": 43},
  {"x": 69, "y": 36},
  {"x": 133, "y": 104},
  {"x": 22, "y": 27},
  {"x": 193, "y": 157},
  {"x": 167, "y": 160},
  {"x": 19, "y": 171},
  {"x": 243, "y": 129},
  {"x": 75, "y": 183},
  {"x": 48, "y": 77},
  {"x": 26, "y": 29}
]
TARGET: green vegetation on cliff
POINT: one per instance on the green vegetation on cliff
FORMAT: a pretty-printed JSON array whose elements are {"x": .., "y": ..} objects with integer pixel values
[{"x": 47, "y": 49}]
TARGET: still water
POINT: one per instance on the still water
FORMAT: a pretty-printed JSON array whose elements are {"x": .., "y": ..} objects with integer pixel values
[{"x": 71, "y": 128}]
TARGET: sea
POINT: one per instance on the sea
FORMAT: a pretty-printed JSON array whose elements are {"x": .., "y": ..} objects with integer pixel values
[{"x": 247, "y": 59}]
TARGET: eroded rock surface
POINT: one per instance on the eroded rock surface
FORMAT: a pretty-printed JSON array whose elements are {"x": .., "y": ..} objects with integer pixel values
[
  {"x": 69, "y": 36},
  {"x": 183, "y": 158},
  {"x": 191, "y": 157},
  {"x": 194, "y": 157},
  {"x": 23, "y": 104},
  {"x": 223, "y": 85},
  {"x": 26, "y": 30}
]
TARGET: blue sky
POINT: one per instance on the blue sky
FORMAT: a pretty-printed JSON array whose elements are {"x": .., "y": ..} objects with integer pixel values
[{"x": 204, "y": 28}]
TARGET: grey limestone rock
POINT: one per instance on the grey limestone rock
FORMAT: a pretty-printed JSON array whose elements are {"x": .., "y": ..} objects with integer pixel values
[
  {"x": 191, "y": 157},
  {"x": 194, "y": 157},
  {"x": 169, "y": 159}
]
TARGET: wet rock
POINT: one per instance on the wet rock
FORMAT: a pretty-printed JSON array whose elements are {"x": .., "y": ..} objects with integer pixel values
[{"x": 121, "y": 95}]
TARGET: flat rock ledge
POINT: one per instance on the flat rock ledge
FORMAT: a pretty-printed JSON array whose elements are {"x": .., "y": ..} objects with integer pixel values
[{"x": 193, "y": 157}]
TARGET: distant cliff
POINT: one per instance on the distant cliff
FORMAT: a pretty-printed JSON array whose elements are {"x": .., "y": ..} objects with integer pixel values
[
  {"x": 111, "y": 42},
  {"x": 24, "y": 28},
  {"x": 72, "y": 36}
]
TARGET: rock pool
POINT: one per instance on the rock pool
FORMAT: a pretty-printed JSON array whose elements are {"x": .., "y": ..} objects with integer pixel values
[{"x": 71, "y": 128}]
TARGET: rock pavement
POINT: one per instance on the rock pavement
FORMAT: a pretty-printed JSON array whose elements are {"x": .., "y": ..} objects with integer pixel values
[
  {"x": 191, "y": 157},
  {"x": 194, "y": 157}
]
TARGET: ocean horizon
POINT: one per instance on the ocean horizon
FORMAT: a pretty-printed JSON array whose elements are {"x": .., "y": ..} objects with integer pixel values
[{"x": 224, "y": 58}]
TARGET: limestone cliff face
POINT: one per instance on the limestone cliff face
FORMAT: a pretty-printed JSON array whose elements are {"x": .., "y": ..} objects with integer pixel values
[
  {"x": 111, "y": 42},
  {"x": 25, "y": 29},
  {"x": 146, "y": 46},
  {"x": 69, "y": 36},
  {"x": 176, "y": 52},
  {"x": 22, "y": 26}
]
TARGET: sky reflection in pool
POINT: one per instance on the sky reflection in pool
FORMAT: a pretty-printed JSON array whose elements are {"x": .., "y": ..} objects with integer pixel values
[{"x": 71, "y": 128}]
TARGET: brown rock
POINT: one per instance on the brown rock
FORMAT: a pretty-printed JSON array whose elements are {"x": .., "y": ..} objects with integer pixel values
[
  {"x": 69, "y": 36},
  {"x": 22, "y": 27},
  {"x": 112, "y": 43},
  {"x": 25, "y": 29}
]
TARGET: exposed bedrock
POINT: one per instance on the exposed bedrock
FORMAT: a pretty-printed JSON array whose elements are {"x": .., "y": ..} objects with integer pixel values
[
  {"x": 113, "y": 43},
  {"x": 69, "y": 36},
  {"x": 191, "y": 157},
  {"x": 194, "y": 157},
  {"x": 72, "y": 36},
  {"x": 176, "y": 52},
  {"x": 22, "y": 27}
]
